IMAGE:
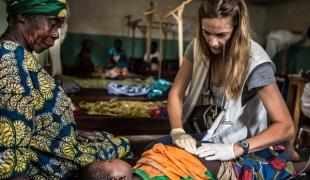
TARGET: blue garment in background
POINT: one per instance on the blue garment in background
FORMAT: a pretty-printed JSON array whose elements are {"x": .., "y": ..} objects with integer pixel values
[
  {"x": 128, "y": 90},
  {"x": 159, "y": 88},
  {"x": 122, "y": 63}
]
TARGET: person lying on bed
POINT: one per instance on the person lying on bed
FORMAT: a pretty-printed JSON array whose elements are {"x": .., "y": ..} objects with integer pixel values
[{"x": 169, "y": 162}]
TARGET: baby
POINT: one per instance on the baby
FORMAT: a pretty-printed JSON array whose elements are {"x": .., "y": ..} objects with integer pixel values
[{"x": 115, "y": 169}]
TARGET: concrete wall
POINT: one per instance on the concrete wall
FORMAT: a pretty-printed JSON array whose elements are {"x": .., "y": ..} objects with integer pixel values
[
  {"x": 102, "y": 43},
  {"x": 3, "y": 23},
  {"x": 258, "y": 16},
  {"x": 102, "y": 17},
  {"x": 107, "y": 17},
  {"x": 103, "y": 21},
  {"x": 291, "y": 15}
]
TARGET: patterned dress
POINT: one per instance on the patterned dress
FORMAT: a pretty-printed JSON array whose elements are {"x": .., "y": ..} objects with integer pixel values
[
  {"x": 264, "y": 164},
  {"x": 37, "y": 129}
]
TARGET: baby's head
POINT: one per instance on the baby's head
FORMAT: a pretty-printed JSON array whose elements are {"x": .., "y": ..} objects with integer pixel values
[{"x": 115, "y": 169}]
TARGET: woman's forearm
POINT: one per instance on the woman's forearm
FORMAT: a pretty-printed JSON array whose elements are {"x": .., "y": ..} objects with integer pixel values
[
  {"x": 276, "y": 133},
  {"x": 281, "y": 128},
  {"x": 175, "y": 111},
  {"x": 176, "y": 94}
]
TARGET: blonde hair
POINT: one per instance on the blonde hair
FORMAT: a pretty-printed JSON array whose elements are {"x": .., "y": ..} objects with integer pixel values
[{"x": 237, "y": 49}]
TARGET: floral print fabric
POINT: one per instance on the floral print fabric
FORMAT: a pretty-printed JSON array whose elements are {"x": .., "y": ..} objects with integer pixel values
[
  {"x": 37, "y": 129},
  {"x": 264, "y": 164}
]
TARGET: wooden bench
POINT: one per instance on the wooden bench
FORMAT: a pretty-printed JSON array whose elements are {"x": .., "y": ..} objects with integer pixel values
[
  {"x": 295, "y": 90},
  {"x": 124, "y": 125}
]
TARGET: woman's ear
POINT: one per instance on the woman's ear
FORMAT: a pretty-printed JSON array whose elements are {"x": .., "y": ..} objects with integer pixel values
[
  {"x": 21, "y": 18},
  {"x": 25, "y": 21}
]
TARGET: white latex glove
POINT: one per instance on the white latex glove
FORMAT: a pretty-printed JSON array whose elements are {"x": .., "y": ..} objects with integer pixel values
[
  {"x": 222, "y": 152},
  {"x": 183, "y": 140}
]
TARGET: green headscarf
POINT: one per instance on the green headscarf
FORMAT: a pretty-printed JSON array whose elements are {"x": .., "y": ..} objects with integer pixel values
[{"x": 36, "y": 7}]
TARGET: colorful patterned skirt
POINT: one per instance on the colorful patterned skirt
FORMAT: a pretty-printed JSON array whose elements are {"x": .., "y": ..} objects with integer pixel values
[{"x": 264, "y": 164}]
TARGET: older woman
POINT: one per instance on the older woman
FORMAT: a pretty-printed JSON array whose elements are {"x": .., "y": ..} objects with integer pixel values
[{"x": 38, "y": 135}]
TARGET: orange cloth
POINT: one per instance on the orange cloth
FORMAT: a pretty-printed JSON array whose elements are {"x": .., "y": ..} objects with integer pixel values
[{"x": 173, "y": 162}]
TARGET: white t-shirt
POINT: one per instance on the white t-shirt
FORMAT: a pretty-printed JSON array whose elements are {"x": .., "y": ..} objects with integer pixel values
[
  {"x": 305, "y": 100},
  {"x": 154, "y": 65}
]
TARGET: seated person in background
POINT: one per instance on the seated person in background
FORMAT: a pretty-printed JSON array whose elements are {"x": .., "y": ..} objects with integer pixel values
[
  {"x": 83, "y": 63},
  {"x": 168, "y": 162},
  {"x": 152, "y": 63},
  {"x": 118, "y": 56}
]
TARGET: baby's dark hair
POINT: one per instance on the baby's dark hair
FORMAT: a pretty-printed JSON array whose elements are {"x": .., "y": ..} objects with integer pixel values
[{"x": 93, "y": 172}]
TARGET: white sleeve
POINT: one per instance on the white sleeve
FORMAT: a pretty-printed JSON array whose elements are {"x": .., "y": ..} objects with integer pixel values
[
  {"x": 305, "y": 100},
  {"x": 145, "y": 57}
]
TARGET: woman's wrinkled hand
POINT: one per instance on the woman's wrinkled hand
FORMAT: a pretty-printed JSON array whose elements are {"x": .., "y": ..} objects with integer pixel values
[{"x": 91, "y": 136}]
